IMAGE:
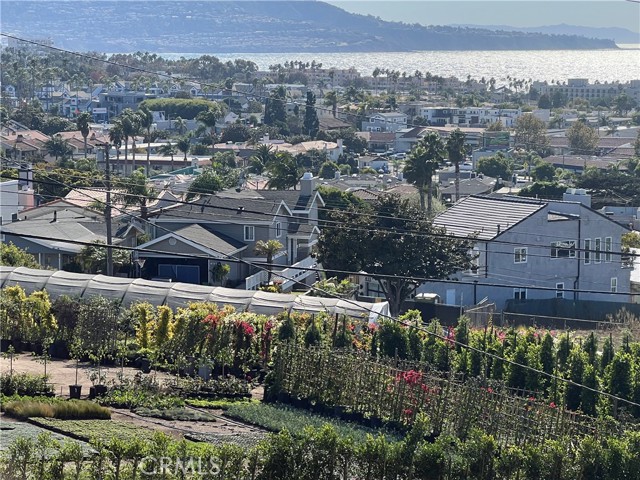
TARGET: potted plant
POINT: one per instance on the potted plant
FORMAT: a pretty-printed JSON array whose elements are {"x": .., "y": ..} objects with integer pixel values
[
  {"x": 75, "y": 390},
  {"x": 97, "y": 377}
]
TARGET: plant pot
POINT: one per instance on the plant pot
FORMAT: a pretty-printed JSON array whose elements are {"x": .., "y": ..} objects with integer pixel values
[
  {"x": 98, "y": 390},
  {"x": 204, "y": 372},
  {"x": 4, "y": 345},
  {"x": 145, "y": 365},
  {"x": 75, "y": 391}
]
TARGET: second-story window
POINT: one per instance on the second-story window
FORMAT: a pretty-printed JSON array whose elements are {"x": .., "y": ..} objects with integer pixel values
[
  {"x": 563, "y": 249},
  {"x": 597, "y": 256},
  {"x": 249, "y": 233},
  {"x": 520, "y": 255},
  {"x": 278, "y": 229},
  {"x": 607, "y": 249},
  {"x": 587, "y": 251}
]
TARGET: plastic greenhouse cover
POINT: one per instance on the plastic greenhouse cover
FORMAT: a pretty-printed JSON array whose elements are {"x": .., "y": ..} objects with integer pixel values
[
  {"x": 110, "y": 287},
  {"x": 141, "y": 290},
  {"x": 181, "y": 294},
  {"x": 305, "y": 303},
  {"x": 268, "y": 303},
  {"x": 30, "y": 279},
  {"x": 67, "y": 283}
]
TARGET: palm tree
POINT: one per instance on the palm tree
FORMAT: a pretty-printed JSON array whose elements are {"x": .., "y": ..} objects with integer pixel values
[
  {"x": 145, "y": 118},
  {"x": 58, "y": 147},
  {"x": 268, "y": 249},
  {"x": 82, "y": 122},
  {"x": 184, "y": 145},
  {"x": 284, "y": 172},
  {"x": 421, "y": 165},
  {"x": 116, "y": 135},
  {"x": 210, "y": 116},
  {"x": 456, "y": 151},
  {"x": 261, "y": 159},
  {"x": 180, "y": 124},
  {"x": 129, "y": 129},
  {"x": 331, "y": 100},
  {"x": 168, "y": 150}
]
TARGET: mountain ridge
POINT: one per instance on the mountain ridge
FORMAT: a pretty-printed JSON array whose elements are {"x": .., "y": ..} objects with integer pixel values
[{"x": 251, "y": 27}]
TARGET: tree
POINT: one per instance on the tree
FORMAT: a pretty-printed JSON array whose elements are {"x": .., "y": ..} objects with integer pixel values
[
  {"x": 116, "y": 135},
  {"x": 129, "y": 123},
  {"x": 284, "y": 172},
  {"x": 268, "y": 249},
  {"x": 58, "y": 147},
  {"x": 582, "y": 138},
  {"x": 274, "y": 110},
  {"x": 328, "y": 170},
  {"x": 544, "y": 101},
  {"x": 261, "y": 159},
  {"x": 82, "y": 122},
  {"x": 496, "y": 126},
  {"x": 184, "y": 145},
  {"x": 145, "y": 119},
  {"x": 543, "y": 172},
  {"x": 12, "y": 256},
  {"x": 421, "y": 165},
  {"x": 497, "y": 165},
  {"x": 331, "y": 100},
  {"x": 210, "y": 116},
  {"x": 136, "y": 191},
  {"x": 311, "y": 123},
  {"x": 207, "y": 183},
  {"x": 93, "y": 258},
  {"x": 623, "y": 103},
  {"x": 456, "y": 150},
  {"x": 235, "y": 133},
  {"x": 531, "y": 133},
  {"x": 393, "y": 241},
  {"x": 168, "y": 150}
]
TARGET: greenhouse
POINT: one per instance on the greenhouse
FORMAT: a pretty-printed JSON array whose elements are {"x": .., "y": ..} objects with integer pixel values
[{"x": 130, "y": 290}]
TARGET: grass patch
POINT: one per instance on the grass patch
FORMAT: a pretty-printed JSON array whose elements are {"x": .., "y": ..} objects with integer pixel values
[
  {"x": 62, "y": 409},
  {"x": 220, "y": 404},
  {"x": 178, "y": 413},
  {"x": 11, "y": 431},
  {"x": 277, "y": 417},
  {"x": 88, "y": 429}
]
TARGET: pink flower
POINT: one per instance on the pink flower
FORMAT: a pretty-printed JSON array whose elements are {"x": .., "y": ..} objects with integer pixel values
[
  {"x": 489, "y": 389},
  {"x": 407, "y": 412},
  {"x": 552, "y": 405}
]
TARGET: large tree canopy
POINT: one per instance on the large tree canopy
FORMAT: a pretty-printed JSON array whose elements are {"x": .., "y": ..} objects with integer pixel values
[
  {"x": 531, "y": 133},
  {"x": 391, "y": 243}
]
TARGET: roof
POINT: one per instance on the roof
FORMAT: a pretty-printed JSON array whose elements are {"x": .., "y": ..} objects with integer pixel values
[
  {"x": 470, "y": 186},
  {"x": 330, "y": 123},
  {"x": 217, "y": 242},
  {"x": 485, "y": 217}
]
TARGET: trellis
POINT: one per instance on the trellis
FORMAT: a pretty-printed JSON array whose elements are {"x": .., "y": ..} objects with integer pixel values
[{"x": 394, "y": 393}]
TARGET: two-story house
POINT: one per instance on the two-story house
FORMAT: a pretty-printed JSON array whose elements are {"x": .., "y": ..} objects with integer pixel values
[
  {"x": 385, "y": 122},
  {"x": 534, "y": 249},
  {"x": 190, "y": 239}
]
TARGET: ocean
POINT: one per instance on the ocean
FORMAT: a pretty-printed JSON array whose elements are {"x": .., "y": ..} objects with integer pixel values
[{"x": 621, "y": 65}]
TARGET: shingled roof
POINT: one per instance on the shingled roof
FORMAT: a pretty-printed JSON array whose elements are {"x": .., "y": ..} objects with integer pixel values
[{"x": 486, "y": 217}]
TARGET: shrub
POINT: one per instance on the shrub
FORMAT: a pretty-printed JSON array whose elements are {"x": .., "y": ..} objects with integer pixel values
[
  {"x": 24, "y": 384},
  {"x": 64, "y": 410}
]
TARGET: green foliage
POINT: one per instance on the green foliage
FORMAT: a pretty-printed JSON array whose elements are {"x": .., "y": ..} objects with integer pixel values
[
  {"x": 65, "y": 410},
  {"x": 421, "y": 165},
  {"x": 583, "y": 139},
  {"x": 328, "y": 170},
  {"x": 631, "y": 240},
  {"x": 12, "y": 256},
  {"x": 16, "y": 321},
  {"x": 550, "y": 190},
  {"x": 543, "y": 172},
  {"x": 393, "y": 339},
  {"x": 207, "y": 183},
  {"x": 531, "y": 133},
  {"x": 178, "y": 413},
  {"x": 313, "y": 335},
  {"x": 497, "y": 166},
  {"x": 175, "y": 107},
  {"x": 24, "y": 384}
]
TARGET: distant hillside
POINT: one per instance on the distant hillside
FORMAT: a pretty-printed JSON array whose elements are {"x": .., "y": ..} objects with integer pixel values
[
  {"x": 617, "y": 34},
  {"x": 249, "y": 26}
]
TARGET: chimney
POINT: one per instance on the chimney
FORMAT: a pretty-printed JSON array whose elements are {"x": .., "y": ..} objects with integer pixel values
[
  {"x": 55, "y": 217},
  {"x": 265, "y": 138},
  {"x": 336, "y": 175},
  {"x": 307, "y": 184},
  {"x": 339, "y": 144}
]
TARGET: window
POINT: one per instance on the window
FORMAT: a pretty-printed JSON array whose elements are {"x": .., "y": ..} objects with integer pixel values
[
  {"x": 249, "y": 233},
  {"x": 559, "y": 290},
  {"x": 278, "y": 229},
  {"x": 475, "y": 261},
  {"x": 597, "y": 247},
  {"x": 520, "y": 255},
  {"x": 565, "y": 249},
  {"x": 607, "y": 249},
  {"x": 520, "y": 293},
  {"x": 614, "y": 284},
  {"x": 587, "y": 251}
]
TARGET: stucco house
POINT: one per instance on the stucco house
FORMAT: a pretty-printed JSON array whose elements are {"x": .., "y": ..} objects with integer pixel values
[{"x": 534, "y": 249}]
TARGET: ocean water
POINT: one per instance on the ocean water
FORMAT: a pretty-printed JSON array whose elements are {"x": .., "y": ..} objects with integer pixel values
[{"x": 622, "y": 64}]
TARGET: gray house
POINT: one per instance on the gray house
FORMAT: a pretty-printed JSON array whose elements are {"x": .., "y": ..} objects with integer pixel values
[
  {"x": 534, "y": 249},
  {"x": 189, "y": 240}
]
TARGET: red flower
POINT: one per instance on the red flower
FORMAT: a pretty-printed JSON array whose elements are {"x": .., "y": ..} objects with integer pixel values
[
  {"x": 489, "y": 389},
  {"x": 407, "y": 412},
  {"x": 552, "y": 405},
  {"x": 211, "y": 320}
]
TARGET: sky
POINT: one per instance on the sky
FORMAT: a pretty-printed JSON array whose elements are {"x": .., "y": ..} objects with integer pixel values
[{"x": 517, "y": 13}]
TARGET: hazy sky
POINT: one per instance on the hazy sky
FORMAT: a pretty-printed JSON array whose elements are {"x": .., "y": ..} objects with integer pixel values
[{"x": 518, "y": 13}]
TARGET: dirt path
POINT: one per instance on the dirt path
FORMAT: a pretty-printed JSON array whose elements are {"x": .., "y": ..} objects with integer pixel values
[{"x": 62, "y": 373}]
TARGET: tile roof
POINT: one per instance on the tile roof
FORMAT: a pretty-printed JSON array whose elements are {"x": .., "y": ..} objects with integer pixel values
[{"x": 484, "y": 216}]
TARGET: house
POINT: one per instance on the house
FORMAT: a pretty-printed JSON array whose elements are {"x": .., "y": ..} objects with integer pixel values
[
  {"x": 385, "y": 122},
  {"x": 375, "y": 162},
  {"x": 531, "y": 249},
  {"x": 50, "y": 232},
  {"x": 188, "y": 240},
  {"x": 21, "y": 145},
  {"x": 479, "y": 185},
  {"x": 378, "y": 141}
]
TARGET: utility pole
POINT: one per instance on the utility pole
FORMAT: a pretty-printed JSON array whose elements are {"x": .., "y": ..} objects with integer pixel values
[{"x": 107, "y": 210}]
